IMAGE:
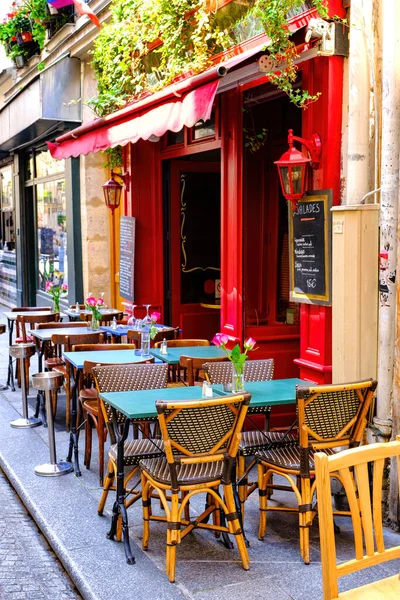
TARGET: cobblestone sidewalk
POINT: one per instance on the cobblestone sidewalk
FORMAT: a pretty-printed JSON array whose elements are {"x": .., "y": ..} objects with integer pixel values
[{"x": 28, "y": 568}]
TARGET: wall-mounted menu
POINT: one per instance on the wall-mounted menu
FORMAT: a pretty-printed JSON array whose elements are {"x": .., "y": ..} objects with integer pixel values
[
  {"x": 127, "y": 258},
  {"x": 310, "y": 248}
]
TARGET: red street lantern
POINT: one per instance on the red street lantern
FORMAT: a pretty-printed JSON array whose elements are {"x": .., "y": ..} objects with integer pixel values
[
  {"x": 112, "y": 190},
  {"x": 292, "y": 166}
]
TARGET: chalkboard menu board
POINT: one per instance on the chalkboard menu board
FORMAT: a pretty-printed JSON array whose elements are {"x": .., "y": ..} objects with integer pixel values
[
  {"x": 310, "y": 249},
  {"x": 127, "y": 258}
]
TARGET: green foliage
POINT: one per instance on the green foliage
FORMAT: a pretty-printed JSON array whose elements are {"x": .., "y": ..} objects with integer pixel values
[
  {"x": 114, "y": 158},
  {"x": 27, "y": 18},
  {"x": 148, "y": 44}
]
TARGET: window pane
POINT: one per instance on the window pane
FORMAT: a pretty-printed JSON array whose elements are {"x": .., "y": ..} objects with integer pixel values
[
  {"x": 52, "y": 233},
  {"x": 47, "y": 165},
  {"x": 204, "y": 129}
]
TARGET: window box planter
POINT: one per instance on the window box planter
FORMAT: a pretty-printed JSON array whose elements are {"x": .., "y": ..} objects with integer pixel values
[{"x": 24, "y": 37}]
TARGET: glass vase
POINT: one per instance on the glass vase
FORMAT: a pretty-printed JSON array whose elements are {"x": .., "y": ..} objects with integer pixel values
[
  {"x": 56, "y": 305},
  {"x": 237, "y": 378},
  {"x": 145, "y": 344},
  {"x": 94, "y": 325}
]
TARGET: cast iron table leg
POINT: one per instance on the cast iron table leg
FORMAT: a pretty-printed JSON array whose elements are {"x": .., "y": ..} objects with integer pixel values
[
  {"x": 10, "y": 377},
  {"x": 119, "y": 504},
  {"x": 73, "y": 437}
]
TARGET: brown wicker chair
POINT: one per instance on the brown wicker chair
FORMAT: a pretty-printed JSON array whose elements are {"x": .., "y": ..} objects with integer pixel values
[
  {"x": 354, "y": 468},
  {"x": 170, "y": 335},
  {"x": 255, "y": 440},
  {"x": 122, "y": 378},
  {"x": 201, "y": 440},
  {"x": 174, "y": 371},
  {"x": 66, "y": 341},
  {"x": 53, "y": 353},
  {"x": 329, "y": 417}
]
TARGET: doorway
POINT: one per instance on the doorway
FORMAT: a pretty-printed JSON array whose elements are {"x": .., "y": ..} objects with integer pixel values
[{"x": 194, "y": 245}]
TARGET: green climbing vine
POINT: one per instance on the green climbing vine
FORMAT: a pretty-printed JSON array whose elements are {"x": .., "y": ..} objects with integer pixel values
[{"x": 147, "y": 45}]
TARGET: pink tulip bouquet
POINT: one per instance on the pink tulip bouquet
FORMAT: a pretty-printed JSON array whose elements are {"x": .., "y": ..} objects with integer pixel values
[
  {"x": 94, "y": 304},
  {"x": 56, "y": 292},
  {"x": 236, "y": 357}
]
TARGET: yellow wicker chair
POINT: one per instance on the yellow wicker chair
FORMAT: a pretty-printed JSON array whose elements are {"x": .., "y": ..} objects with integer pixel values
[
  {"x": 329, "y": 417},
  {"x": 201, "y": 440}
]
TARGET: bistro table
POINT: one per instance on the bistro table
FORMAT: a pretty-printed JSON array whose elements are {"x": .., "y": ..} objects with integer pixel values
[
  {"x": 75, "y": 315},
  {"x": 123, "y": 330},
  {"x": 43, "y": 336},
  {"x": 136, "y": 405},
  {"x": 174, "y": 354},
  {"x": 11, "y": 318},
  {"x": 76, "y": 361}
]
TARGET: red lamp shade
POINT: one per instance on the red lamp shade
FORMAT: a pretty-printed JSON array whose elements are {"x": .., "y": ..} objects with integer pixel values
[
  {"x": 112, "y": 193},
  {"x": 292, "y": 168}
]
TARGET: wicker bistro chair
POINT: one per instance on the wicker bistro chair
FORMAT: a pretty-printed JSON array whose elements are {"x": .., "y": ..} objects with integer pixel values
[
  {"x": 353, "y": 469},
  {"x": 201, "y": 440},
  {"x": 194, "y": 366},
  {"x": 254, "y": 440},
  {"x": 53, "y": 353},
  {"x": 329, "y": 417},
  {"x": 123, "y": 378}
]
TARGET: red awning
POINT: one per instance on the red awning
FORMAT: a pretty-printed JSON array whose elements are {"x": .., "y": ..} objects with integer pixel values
[{"x": 178, "y": 105}]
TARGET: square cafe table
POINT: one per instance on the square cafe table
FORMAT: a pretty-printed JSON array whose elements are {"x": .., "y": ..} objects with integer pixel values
[
  {"x": 76, "y": 361},
  {"x": 136, "y": 405}
]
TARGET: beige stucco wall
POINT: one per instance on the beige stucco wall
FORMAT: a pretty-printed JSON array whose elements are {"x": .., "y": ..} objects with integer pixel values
[{"x": 94, "y": 213}]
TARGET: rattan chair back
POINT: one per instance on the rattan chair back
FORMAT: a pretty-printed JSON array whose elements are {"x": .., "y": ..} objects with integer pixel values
[
  {"x": 360, "y": 471},
  {"x": 125, "y": 378},
  {"x": 333, "y": 415},
  {"x": 202, "y": 428},
  {"x": 254, "y": 370}
]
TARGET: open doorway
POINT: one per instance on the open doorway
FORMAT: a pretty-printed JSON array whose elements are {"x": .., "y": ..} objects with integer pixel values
[{"x": 193, "y": 241}]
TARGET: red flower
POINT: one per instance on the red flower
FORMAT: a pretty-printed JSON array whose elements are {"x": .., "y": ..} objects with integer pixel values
[{"x": 14, "y": 38}]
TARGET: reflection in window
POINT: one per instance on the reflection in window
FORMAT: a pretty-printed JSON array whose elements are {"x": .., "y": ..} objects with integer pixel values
[
  {"x": 47, "y": 165},
  {"x": 52, "y": 233},
  {"x": 204, "y": 129}
]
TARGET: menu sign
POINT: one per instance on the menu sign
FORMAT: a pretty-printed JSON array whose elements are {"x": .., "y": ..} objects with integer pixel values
[
  {"x": 310, "y": 249},
  {"x": 127, "y": 258}
]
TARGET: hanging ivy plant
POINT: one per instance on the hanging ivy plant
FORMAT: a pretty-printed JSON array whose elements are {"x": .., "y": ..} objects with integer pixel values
[{"x": 148, "y": 44}]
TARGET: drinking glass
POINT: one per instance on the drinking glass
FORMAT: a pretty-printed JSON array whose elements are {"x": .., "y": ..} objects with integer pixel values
[
  {"x": 132, "y": 321},
  {"x": 147, "y": 318}
]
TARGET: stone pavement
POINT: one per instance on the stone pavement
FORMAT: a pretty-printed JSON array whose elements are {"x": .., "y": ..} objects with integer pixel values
[
  {"x": 28, "y": 568},
  {"x": 65, "y": 510}
]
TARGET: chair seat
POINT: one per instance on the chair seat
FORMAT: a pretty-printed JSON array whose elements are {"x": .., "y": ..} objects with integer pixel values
[
  {"x": 136, "y": 450},
  {"x": 20, "y": 340},
  {"x": 50, "y": 363},
  {"x": 60, "y": 369},
  {"x": 88, "y": 394},
  {"x": 255, "y": 441},
  {"x": 158, "y": 469},
  {"x": 288, "y": 457},
  {"x": 385, "y": 589}
]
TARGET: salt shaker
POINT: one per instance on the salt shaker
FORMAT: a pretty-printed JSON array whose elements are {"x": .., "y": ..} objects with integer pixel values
[
  {"x": 77, "y": 308},
  {"x": 206, "y": 391},
  {"x": 164, "y": 347},
  {"x": 114, "y": 323}
]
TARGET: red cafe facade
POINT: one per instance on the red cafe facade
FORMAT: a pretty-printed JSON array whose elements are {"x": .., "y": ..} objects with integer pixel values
[{"x": 211, "y": 247}]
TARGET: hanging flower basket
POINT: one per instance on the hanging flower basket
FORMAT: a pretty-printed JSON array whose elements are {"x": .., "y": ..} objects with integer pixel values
[{"x": 24, "y": 37}]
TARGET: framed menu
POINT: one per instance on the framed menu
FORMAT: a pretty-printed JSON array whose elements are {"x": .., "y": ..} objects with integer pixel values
[
  {"x": 310, "y": 249},
  {"x": 127, "y": 258}
]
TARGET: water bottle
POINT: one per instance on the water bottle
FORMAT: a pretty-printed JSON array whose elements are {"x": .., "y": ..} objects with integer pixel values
[
  {"x": 164, "y": 347},
  {"x": 77, "y": 308},
  {"x": 114, "y": 323}
]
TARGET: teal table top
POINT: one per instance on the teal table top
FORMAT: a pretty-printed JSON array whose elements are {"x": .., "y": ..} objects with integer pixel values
[
  {"x": 141, "y": 404},
  {"x": 113, "y": 357},
  {"x": 174, "y": 354}
]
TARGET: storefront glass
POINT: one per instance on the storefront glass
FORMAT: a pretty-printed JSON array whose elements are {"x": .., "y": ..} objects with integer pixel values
[{"x": 8, "y": 265}]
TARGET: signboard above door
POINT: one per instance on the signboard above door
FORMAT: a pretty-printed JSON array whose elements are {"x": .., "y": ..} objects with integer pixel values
[{"x": 310, "y": 249}]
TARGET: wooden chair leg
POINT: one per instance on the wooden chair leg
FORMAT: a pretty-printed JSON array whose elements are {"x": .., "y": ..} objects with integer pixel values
[
  {"x": 88, "y": 441},
  {"x": 263, "y": 502},
  {"x": 101, "y": 436},
  {"x": 305, "y": 520},
  {"x": 174, "y": 537},
  {"x": 242, "y": 487},
  {"x": 146, "y": 503}
]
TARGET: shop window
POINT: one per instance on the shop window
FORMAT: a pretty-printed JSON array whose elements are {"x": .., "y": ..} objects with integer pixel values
[
  {"x": 203, "y": 129},
  {"x": 175, "y": 138},
  {"x": 52, "y": 233},
  {"x": 8, "y": 265},
  {"x": 46, "y": 165}
]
